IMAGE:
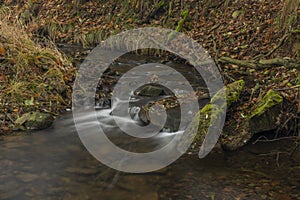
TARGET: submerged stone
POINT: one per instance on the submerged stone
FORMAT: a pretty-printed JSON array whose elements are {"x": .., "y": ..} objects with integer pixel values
[{"x": 34, "y": 121}]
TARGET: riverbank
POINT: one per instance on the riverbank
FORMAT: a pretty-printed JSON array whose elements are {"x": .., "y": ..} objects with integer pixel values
[
  {"x": 242, "y": 30},
  {"x": 35, "y": 76}
]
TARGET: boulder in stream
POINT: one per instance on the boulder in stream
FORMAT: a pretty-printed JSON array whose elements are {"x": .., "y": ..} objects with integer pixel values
[
  {"x": 235, "y": 133},
  {"x": 172, "y": 108},
  {"x": 209, "y": 114},
  {"x": 152, "y": 91}
]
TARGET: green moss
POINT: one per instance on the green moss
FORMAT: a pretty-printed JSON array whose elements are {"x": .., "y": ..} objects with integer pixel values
[
  {"x": 212, "y": 112},
  {"x": 34, "y": 120},
  {"x": 170, "y": 9},
  {"x": 269, "y": 100},
  {"x": 233, "y": 92},
  {"x": 185, "y": 15},
  {"x": 161, "y": 4},
  {"x": 38, "y": 76},
  {"x": 296, "y": 31}
]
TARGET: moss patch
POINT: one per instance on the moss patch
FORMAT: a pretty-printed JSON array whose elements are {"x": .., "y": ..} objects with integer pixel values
[
  {"x": 34, "y": 121},
  {"x": 263, "y": 118},
  {"x": 211, "y": 113},
  {"x": 269, "y": 100},
  {"x": 233, "y": 92}
]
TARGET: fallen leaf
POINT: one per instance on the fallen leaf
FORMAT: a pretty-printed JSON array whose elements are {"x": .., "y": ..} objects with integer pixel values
[{"x": 2, "y": 51}]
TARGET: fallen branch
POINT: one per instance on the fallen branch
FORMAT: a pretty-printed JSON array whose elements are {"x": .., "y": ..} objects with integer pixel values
[
  {"x": 289, "y": 88},
  {"x": 261, "y": 64},
  {"x": 265, "y": 139}
]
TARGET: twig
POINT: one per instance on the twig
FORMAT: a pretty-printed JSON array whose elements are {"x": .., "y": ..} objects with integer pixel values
[
  {"x": 276, "y": 139},
  {"x": 258, "y": 140},
  {"x": 281, "y": 41},
  {"x": 216, "y": 55},
  {"x": 115, "y": 180},
  {"x": 284, "y": 124},
  {"x": 238, "y": 62},
  {"x": 8, "y": 116},
  {"x": 277, "y": 159},
  {"x": 289, "y": 88},
  {"x": 214, "y": 28},
  {"x": 261, "y": 64},
  {"x": 294, "y": 150}
]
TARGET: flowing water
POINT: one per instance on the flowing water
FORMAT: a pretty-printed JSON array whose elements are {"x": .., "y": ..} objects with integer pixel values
[{"x": 54, "y": 164}]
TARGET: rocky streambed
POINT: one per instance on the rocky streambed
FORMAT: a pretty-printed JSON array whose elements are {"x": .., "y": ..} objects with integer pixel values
[{"x": 151, "y": 100}]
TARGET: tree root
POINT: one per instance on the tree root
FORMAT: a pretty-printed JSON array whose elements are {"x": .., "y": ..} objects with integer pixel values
[
  {"x": 281, "y": 42},
  {"x": 263, "y": 63}
]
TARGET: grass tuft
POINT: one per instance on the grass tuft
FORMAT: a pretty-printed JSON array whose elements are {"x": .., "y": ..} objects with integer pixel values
[{"x": 34, "y": 75}]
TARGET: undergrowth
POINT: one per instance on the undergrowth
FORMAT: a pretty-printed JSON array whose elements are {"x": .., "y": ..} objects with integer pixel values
[{"x": 34, "y": 75}]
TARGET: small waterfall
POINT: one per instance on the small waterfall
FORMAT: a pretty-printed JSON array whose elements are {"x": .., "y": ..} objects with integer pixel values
[
  {"x": 134, "y": 113},
  {"x": 103, "y": 103}
]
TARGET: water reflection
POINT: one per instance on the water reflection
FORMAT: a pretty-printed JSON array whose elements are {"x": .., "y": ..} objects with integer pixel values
[{"x": 53, "y": 164}]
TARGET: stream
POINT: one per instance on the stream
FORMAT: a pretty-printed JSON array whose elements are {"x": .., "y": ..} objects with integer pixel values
[{"x": 54, "y": 164}]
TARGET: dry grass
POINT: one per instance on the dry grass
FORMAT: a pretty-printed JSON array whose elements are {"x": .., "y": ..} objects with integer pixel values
[{"x": 34, "y": 75}]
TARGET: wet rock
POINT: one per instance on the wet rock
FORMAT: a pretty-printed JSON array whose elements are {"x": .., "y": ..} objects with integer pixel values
[
  {"x": 262, "y": 118},
  {"x": 210, "y": 114},
  {"x": 168, "y": 105},
  {"x": 104, "y": 102},
  {"x": 152, "y": 91},
  {"x": 34, "y": 121},
  {"x": 171, "y": 107}
]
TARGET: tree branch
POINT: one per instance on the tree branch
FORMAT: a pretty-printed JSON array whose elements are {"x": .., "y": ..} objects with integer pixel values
[{"x": 263, "y": 63}]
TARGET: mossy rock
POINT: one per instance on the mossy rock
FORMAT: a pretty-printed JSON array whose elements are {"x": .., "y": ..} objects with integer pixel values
[
  {"x": 261, "y": 119},
  {"x": 206, "y": 116},
  {"x": 233, "y": 92},
  {"x": 264, "y": 116},
  {"x": 151, "y": 91},
  {"x": 211, "y": 113},
  {"x": 34, "y": 121}
]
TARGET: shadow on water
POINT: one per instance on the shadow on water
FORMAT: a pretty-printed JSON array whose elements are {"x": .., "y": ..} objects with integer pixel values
[{"x": 54, "y": 164}]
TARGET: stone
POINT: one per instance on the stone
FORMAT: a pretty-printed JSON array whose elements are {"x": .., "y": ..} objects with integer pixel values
[
  {"x": 151, "y": 91},
  {"x": 210, "y": 114},
  {"x": 168, "y": 105},
  {"x": 262, "y": 118},
  {"x": 34, "y": 121}
]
